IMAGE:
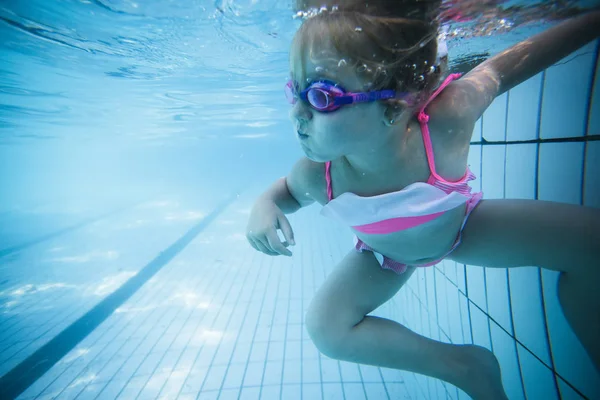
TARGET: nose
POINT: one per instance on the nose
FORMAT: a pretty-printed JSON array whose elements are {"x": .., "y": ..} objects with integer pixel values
[{"x": 301, "y": 112}]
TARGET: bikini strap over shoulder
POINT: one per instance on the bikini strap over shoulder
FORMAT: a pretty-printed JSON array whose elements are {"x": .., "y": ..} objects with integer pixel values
[{"x": 424, "y": 118}]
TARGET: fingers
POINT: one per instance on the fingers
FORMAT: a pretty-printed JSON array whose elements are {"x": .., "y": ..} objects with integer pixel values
[
  {"x": 272, "y": 247},
  {"x": 286, "y": 229},
  {"x": 262, "y": 248},
  {"x": 276, "y": 245},
  {"x": 268, "y": 241}
]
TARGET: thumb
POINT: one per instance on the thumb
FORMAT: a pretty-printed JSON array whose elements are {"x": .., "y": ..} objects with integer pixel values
[{"x": 286, "y": 229}]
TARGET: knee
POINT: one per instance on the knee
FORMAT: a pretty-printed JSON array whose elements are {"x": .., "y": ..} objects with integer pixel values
[{"x": 325, "y": 330}]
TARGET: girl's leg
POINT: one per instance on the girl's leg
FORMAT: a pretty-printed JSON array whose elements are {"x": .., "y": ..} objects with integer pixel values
[
  {"x": 338, "y": 324},
  {"x": 508, "y": 233}
]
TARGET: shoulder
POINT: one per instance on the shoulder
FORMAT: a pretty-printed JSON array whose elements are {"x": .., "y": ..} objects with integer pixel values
[
  {"x": 466, "y": 99},
  {"x": 452, "y": 103},
  {"x": 306, "y": 181},
  {"x": 451, "y": 120}
]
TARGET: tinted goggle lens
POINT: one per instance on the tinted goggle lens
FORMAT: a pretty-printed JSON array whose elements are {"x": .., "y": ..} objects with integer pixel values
[{"x": 319, "y": 98}]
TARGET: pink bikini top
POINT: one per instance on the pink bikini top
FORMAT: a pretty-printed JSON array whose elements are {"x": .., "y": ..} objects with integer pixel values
[{"x": 414, "y": 205}]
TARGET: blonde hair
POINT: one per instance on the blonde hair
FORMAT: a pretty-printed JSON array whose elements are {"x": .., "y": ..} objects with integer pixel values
[{"x": 391, "y": 44}]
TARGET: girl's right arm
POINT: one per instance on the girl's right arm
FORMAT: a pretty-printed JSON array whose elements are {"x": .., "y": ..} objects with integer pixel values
[
  {"x": 292, "y": 192},
  {"x": 285, "y": 196},
  {"x": 478, "y": 88}
]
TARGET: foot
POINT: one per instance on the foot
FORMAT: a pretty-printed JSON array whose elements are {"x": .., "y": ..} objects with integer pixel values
[{"x": 480, "y": 377}]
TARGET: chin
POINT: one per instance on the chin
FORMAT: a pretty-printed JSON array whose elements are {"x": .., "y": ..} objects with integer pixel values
[{"x": 316, "y": 158}]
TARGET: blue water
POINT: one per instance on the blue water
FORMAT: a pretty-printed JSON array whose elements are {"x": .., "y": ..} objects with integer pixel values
[{"x": 134, "y": 140}]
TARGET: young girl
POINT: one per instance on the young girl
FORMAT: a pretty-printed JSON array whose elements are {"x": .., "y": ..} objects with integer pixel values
[{"x": 386, "y": 142}]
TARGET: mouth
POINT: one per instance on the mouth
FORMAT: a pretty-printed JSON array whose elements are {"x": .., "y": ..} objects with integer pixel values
[{"x": 302, "y": 135}]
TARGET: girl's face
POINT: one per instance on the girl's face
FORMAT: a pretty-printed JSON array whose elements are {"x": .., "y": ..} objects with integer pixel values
[{"x": 353, "y": 128}]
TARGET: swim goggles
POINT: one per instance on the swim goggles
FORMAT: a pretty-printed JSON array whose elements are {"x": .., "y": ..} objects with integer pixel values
[{"x": 326, "y": 96}]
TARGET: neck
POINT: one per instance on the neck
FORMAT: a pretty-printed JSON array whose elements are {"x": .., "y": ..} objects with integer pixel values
[{"x": 382, "y": 156}]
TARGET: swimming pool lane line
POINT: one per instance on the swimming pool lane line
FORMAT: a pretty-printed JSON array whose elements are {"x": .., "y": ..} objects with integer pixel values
[
  {"x": 18, "y": 379},
  {"x": 52, "y": 235}
]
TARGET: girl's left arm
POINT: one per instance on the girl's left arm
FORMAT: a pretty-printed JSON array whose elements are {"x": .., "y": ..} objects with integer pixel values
[{"x": 477, "y": 89}]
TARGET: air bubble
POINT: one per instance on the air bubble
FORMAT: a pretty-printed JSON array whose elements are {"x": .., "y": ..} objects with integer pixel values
[
  {"x": 420, "y": 78},
  {"x": 362, "y": 68},
  {"x": 319, "y": 70},
  {"x": 358, "y": 29},
  {"x": 342, "y": 63}
]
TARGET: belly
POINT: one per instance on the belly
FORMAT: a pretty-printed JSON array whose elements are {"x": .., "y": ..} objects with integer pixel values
[{"x": 420, "y": 244}]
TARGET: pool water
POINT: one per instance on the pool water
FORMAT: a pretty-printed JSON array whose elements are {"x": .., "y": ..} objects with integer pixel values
[{"x": 135, "y": 138}]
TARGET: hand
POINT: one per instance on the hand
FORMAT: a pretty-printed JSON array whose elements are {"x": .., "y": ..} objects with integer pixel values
[{"x": 261, "y": 231}]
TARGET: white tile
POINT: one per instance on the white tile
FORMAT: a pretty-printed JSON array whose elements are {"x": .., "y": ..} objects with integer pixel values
[
  {"x": 311, "y": 391},
  {"x": 309, "y": 350},
  {"x": 194, "y": 380},
  {"x": 560, "y": 172},
  {"x": 225, "y": 394},
  {"x": 524, "y": 110},
  {"x": 234, "y": 376},
  {"x": 441, "y": 301},
  {"x": 477, "y": 131},
  {"x": 425, "y": 326},
  {"x": 333, "y": 391},
  {"x": 398, "y": 391},
  {"x": 292, "y": 372},
  {"x": 354, "y": 391},
  {"x": 259, "y": 352},
  {"x": 521, "y": 167},
  {"x": 434, "y": 328},
  {"x": 349, "y": 371},
  {"x": 494, "y": 120},
  {"x": 476, "y": 286},
  {"x": 269, "y": 392},
  {"x": 492, "y": 174},
  {"x": 454, "y": 314},
  {"x": 481, "y": 330},
  {"x": 570, "y": 359},
  {"x": 273, "y": 372},
  {"x": 465, "y": 319},
  {"x": 370, "y": 373},
  {"x": 461, "y": 277},
  {"x": 376, "y": 391},
  {"x": 311, "y": 370},
  {"x": 291, "y": 392},
  {"x": 591, "y": 181},
  {"x": 528, "y": 311},
  {"x": 567, "y": 392},
  {"x": 506, "y": 352},
  {"x": 293, "y": 350},
  {"x": 429, "y": 301},
  {"x": 330, "y": 370},
  {"x": 566, "y": 94},
  {"x": 247, "y": 393},
  {"x": 497, "y": 297},
  {"x": 594, "y": 121},
  {"x": 474, "y": 163},
  {"x": 537, "y": 378}
]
